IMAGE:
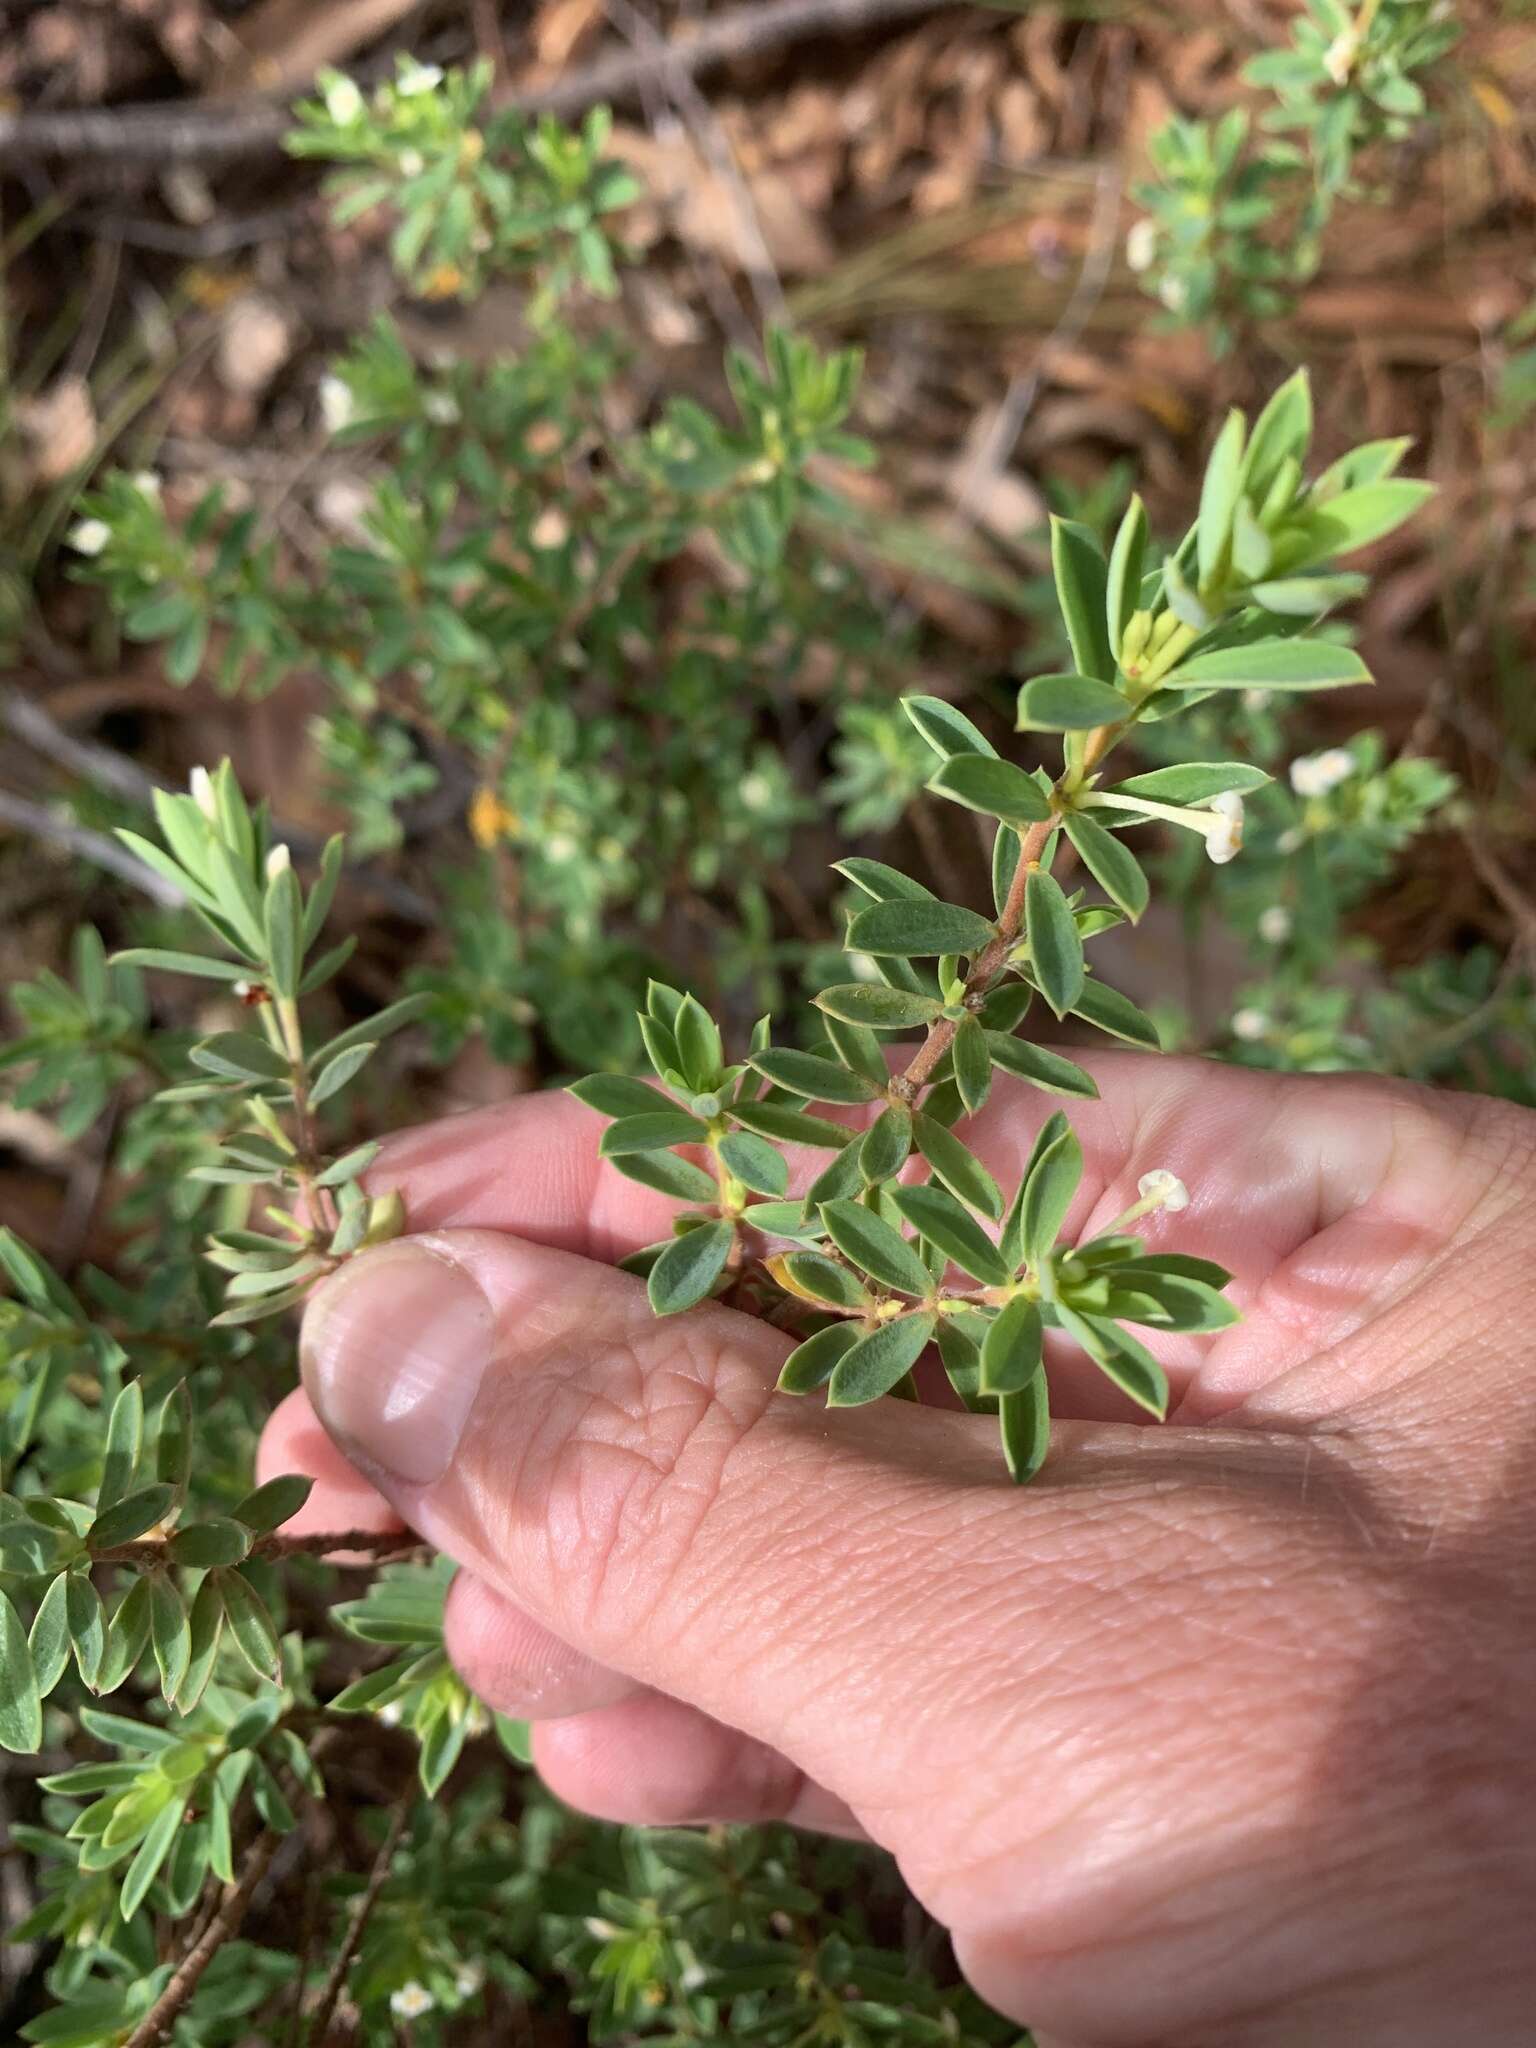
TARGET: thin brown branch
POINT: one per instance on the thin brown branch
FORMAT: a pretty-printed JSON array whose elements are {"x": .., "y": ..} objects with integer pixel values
[
  {"x": 378, "y": 1877},
  {"x": 156, "y": 135},
  {"x": 381, "y": 1547}
]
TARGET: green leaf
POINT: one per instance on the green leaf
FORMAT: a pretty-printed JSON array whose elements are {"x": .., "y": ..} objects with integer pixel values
[
  {"x": 878, "y": 1362},
  {"x": 124, "y": 1441},
  {"x": 87, "y": 1626},
  {"x": 127, "y": 1636},
  {"x": 1082, "y": 585},
  {"x": 1116, "y": 1014},
  {"x": 885, "y": 884},
  {"x": 216, "y": 1541},
  {"x": 1218, "y": 497},
  {"x": 813, "y": 1274},
  {"x": 48, "y": 1640},
  {"x": 1271, "y": 665},
  {"x": 250, "y": 1625},
  {"x": 1306, "y": 597},
  {"x": 338, "y": 1070},
  {"x": 875, "y": 1248},
  {"x": 937, "y": 1216},
  {"x": 616, "y": 1095},
  {"x": 1068, "y": 703},
  {"x": 1120, "y": 1358},
  {"x": 1127, "y": 562},
  {"x": 910, "y": 929},
  {"x": 947, "y": 731},
  {"x": 998, "y": 789},
  {"x": 21, "y": 1706},
  {"x": 350, "y": 1166},
  {"x": 1040, "y": 1067},
  {"x": 152, "y": 1852},
  {"x": 157, "y": 957},
  {"x": 1111, "y": 863},
  {"x": 268, "y": 1507},
  {"x": 127, "y": 1519},
  {"x": 283, "y": 920},
  {"x": 375, "y": 1029},
  {"x": 205, "y": 1628},
  {"x": 651, "y": 1132},
  {"x": 887, "y": 1144},
  {"x": 957, "y": 1166},
  {"x": 818, "y": 1080},
  {"x": 689, "y": 1268},
  {"x": 839, "y": 1178},
  {"x": 756, "y": 1163},
  {"x": 879, "y": 1009},
  {"x": 811, "y": 1364},
  {"x": 790, "y": 1126},
  {"x": 1366, "y": 513},
  {"x": 1050, "y": 1181},
  {"x": 173, "y": 1441},
  {"x": 699, "y": 1050},
  {"x": 1055, "y": 944},
  {"x": 668, "y": 1175},
  {"x": 1193, "y": 782},
  {"x": 168, "y": 1631},
  {"x": 859, "y": 1050},
  {"x": 1024, "y": 1420},
  {"x": 1011, "y": 1350},
  {"x": 972, "y": 1058},
  {"x": 1283, "y": 429},
  {"x": 240, "y": 1056}
]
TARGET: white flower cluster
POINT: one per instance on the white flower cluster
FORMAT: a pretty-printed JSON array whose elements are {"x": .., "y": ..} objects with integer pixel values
[
  {"x": 410, "y": 2001},
  {"x": 1316, "y": 774}
]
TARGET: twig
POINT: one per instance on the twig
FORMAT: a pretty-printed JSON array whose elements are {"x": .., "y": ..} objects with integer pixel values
[
  {"x": 382, "y": 1546},
  {"x": 224, "y": 1926},
  {"x": 233, "y": 1906},
  {"x": 378, "y": 1877},
  {"x": 41, "y": 822},
  {"x": 159, "y": 134}
]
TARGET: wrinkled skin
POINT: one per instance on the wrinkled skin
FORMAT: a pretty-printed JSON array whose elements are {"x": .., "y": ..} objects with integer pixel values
[{"x": 1220, "y": 1735}]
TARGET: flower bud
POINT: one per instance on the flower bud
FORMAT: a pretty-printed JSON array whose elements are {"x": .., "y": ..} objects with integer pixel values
[
  {"x": 277, "y": 860},
  {"x": 200, "y": 787}
]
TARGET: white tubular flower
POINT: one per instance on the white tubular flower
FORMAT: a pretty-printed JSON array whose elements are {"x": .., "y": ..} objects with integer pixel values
[
  {"x": 1174, "y": 293},
  {"x": 469, "y": 1980},
  {"x": 1316, "y": 774},
  {"x": 417, "y": 78},
  {"x": 337, "y": 407},
  {"x": 200, "y": 789},
  {"x": 1224, "y": 840},
  {"x": 410, "y": 2001},
  {"x": 412, "y": 163},
  {"x": 278, "y": 859},
  {"x": 1275, "y": 925},
  {"x": 1163, "y": 1188},
  {"x": 1340, "y": 55},
  {"x": 343, "y": 101},
  {"x": 1250, "y": 1025},
  {"x": 90, "y": 536},
  {"x": 147, "y": 484},
  {"x": 1141, "y": 244},
  {"x": 441, "y": 408}
]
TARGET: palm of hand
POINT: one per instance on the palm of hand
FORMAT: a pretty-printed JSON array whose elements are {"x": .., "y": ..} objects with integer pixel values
[{"x": 1213, "y": 1734}]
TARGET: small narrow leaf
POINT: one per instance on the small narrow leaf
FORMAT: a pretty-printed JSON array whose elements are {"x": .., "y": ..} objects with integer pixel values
[
  {"x": 1193, "y": 782},
  {"x": 1127, "y": 560},
  {"x": 887, "y": 1144},
  {"x": 1055, "y": 944},
  {"x": 998, "y": 789},
  {"x": 1050, "y": 1181},
  {"x": 957, "y": 1166},
  {"x": 947, "y": 731},
  {"x": 1111, "y": 863},
  {"x": 250, "y": 1625},
  {"x": 124, "y": 1440},
  {"x": 880, "y": 1009},
  {"x": 668, "y": 1175},
  {"x": 937, "y": 1216},
  {"x": 1011, "y": 1349},
  {"x": 689, "y": 1268},
  {"x": 756, "y": 1163},
  {"x": 911, "y": 929},
  {"x": 48, "y": 1640},
  {"x": 649, "y": 1133},
  {"x": 1116, "y": 1014},
  {"x": 818, "y": 1080},
  {"x": 168, "y": 1632},
  {"x": 811, "y": 1364},
  {"x": 1082, "y": 583},
  {"x": 790, "y": 1126},
  {"x": 875, "y": 1248},
  {"x": 1068, "y": 703},
  {"x": 1218, "y": 497},
  {"x": 1041, "y": 1067},
  {"x": 616, "y": 1095},
  {"x": 1024, "y": 1420},
  {"x": 972, "y": 1063},
  {"x": 21, "y": 1707},
  {"x": 1271, "y": 665},
  {"x": 880, "y": 1361}
]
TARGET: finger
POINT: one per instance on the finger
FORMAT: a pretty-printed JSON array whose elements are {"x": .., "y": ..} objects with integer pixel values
[
  {"x": 342, "y": 1500},
  {"x": 654, "y": 1762},
  {"x": 518, "y": 1666},
  {"x": 637, "y": 1487}
]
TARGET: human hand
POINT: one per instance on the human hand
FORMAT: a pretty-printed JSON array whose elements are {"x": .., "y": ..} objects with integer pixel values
[{"x": 1219, "y": 1733}]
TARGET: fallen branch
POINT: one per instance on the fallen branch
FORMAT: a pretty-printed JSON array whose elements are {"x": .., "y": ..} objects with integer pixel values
[{"x": 159, "y": 134}]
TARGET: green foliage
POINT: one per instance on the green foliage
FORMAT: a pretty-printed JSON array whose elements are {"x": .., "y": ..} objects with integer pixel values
[
  {"x": 1234, "y": 220},
  {"x": 577, "y": 644}
]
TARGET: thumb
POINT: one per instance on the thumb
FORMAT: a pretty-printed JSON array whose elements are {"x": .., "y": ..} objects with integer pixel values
[{"x": 637, "y": 1485}]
